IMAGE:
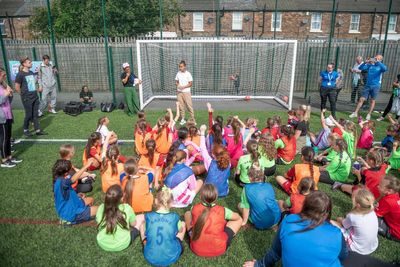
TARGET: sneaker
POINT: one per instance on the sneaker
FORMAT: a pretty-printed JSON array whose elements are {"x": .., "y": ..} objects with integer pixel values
[
  {"x": 13, "y": 151},
  {"x": 15, "y": 141},
  {"x": 380, "y": 119},
  {"x": 353, "y": 115},
  {"x": 53, "y": 111},
  {"x": 182, "y": 122},
  {"x": 15, "y": 160},
  {"x": 27, "y": 133},
  {"x": 368, "y": 117},
  {"x": 40, "y": 132},
  {"x": 336, "y": 185},
  {"x": 40, "y": 113},
  {"x": 8, "y": 164}
]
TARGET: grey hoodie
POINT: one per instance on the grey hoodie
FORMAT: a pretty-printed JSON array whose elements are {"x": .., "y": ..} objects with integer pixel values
[{"x": 47, "y": 76}]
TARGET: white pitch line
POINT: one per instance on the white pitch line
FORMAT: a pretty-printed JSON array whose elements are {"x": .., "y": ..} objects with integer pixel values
[{"x": 64, "y": 141}]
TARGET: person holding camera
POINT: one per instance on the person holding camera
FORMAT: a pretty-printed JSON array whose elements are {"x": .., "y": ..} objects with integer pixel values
[{"x": 375, "y": 68}]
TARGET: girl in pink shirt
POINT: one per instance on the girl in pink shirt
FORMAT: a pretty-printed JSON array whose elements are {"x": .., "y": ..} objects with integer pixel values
[
  {"x": 367, "y": 135},
  {"x": 234, "y": 140}
]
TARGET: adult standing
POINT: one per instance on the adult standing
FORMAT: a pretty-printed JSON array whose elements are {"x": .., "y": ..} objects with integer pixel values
[
  {"x": 47, "y": 86},
  {"x": 129, "y": 81},
  {"x": 327, "y": 81},
  {"x": 6, "y": 121},
  {"x": 356, "y": 80},
  {"x": 371, "y": 89},
  {"x": 25, "y": 85},
  {"x": 184, "y": 82},
  {"x": 395, "y": 93}
]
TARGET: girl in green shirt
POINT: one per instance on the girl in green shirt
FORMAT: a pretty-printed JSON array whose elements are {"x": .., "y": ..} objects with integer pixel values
[
  {"x": 117, "y": 223},
  {"x": 349, "y": 136},
  {"x": 338, "y": 169}
]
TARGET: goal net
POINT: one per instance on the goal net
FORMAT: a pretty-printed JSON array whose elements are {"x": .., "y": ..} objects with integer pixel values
[{"x": 221, "y": 69}]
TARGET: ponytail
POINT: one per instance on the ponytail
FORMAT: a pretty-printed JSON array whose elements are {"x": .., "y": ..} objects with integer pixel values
[
  {"x": 112, "y": 156},
  {"x": 236, "y": 131},
  {"x": 252, "y": 149},
  {"x": 221, "y": 156},
  {"x": 151, "y": 147},
  {"x": 308, "y": 156},
  {"x": 180, "y": 155}
]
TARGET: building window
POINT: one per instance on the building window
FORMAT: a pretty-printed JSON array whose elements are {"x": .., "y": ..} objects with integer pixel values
[
  {"x": 3, "y": 27},
  {"x": 392, "y": 23},
  {"x": 278, "y": 25},
  {"x": 316, "y": 22},
  {"x": 237, "y": 21},
  {"x": 198, "y": 21},
  {"x": 355, "y": 23}
]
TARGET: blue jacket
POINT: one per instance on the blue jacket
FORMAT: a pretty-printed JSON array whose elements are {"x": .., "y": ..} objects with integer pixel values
[
  {"x": 328, "y": 80},
  {"x": 375, "y": 71}
]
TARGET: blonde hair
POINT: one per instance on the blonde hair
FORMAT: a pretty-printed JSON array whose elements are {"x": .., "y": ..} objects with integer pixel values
[
  {"x": 365, "y": 200},
  {"x": 65, "y": 150},
  {"x": 306, "y": 112},
  {"x": 163, "y": 199}
]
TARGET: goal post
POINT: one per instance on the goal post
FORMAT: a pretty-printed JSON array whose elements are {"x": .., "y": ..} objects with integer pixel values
[{"x": 221, "y": 69}]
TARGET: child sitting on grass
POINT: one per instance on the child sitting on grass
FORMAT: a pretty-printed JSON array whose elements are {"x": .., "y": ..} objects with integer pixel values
[
  {"x": 102, "y": 128},
  {"x": 294, "y": 203},
  {"x": 168, "y": 249},
  {"x": 258, "y": 204},
  {"x": 71, "y": 207},
  {"x": 329, "y": 154},
  {"x": 266, "y": 147},
  {"x": 370, "y": 175},
  {"x": 349, "y": 136},
  {"x": 93, "y": 150},
  {"x": 388, "y": 208},
  {"x": 394, "y": 159},
  {"x": 320, "y": 140},
  {"x": 211, "y": 227},
  {"x": 306, "y": 168},
  {"x": 293, "y": 120},
  {"x": 151, "y": 161},
  {"x": 141, "y": 135},
  {"x": 251, "y": 123},
  {"x": 111, "y": 168},
  {"x": 360, "y": 227},
  {"x": 286, "y": 146},
  {"x": 388, "y": 141},
  {"x": 136, "y": 186},
  {"x": 84, "y": 183},
  {"x": 367, "y": 134},
  {"x": 234, "y": 139},
  {"x": 117, "y": 223}
]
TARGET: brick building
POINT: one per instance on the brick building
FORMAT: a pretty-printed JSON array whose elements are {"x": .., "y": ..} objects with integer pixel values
[{"x": 361, "y": 19}]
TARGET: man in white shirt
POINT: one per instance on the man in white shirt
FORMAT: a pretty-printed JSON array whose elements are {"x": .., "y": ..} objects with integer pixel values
[
  {"x": 356, "y": 82},
  {"x": 184, "y": 82}
]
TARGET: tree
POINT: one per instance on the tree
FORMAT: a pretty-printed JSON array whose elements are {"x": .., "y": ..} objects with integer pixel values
[{"x": 75, "y": 18}]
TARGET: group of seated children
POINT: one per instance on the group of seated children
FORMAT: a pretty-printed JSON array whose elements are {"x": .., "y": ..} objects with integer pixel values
[{"x": 170, "y": 162}]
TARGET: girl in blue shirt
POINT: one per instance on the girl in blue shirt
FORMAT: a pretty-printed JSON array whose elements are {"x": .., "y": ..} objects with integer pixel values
[
  {"x": 163, "y": 233},
  {"x": 71, "y": 207}
]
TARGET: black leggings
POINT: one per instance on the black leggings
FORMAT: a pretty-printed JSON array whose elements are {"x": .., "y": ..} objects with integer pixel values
[
  {"x": 325, "y": 178},
  {"x": 31, "y": 106},
  {"x": 5, "y": 139},
  {"x": 355, "y": 259},
  {"x": 389, "y": 107},
  {"x": 328, "y": 93}
]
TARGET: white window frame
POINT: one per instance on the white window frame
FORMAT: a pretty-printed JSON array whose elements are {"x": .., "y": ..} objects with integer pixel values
[
  {"x": 314, "y": 21},
  {"x": 3, "y": 27},
  {"x": 355, "y": 22},
  {"x": 394, "y": 17},
  {"x": 278, "y": 21},
  {"x": 237, "y": 21},
  {"x": 196, "y": 21}
]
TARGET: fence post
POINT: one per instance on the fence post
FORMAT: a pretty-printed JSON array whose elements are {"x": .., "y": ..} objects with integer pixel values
[
  {"x": 332, "y": 31},
  {"x": 53, "y": 42},
  {"x": 112, "y": 74},
  {"x": 110, "y": 83},
  {"x": 337, "y": 56},
  {"x": 160, "y": 3},
  {"x": 387, "y": 27},
  {"x": 308, "y": 72},
  {"x": 3, "y": 51},
  {"x": 34, "y": 55}
]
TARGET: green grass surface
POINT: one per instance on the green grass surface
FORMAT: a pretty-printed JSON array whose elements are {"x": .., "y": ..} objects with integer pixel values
[{"x": 27, "y": 194}]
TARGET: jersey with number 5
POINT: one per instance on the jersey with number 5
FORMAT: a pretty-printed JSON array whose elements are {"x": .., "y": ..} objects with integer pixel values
[{"x": 163, "y": 247}]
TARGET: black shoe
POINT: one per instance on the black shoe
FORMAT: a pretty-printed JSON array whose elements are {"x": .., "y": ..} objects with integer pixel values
[
  {"x": 8, "y": 164},
  {"x": 27, "y": 134},
  {"x": 15, "y": 160},
  {"x": 41, "y": 133}
]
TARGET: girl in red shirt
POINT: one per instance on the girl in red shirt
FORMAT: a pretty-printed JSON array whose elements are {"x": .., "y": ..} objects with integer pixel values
[{"x": 93, "y": 150}]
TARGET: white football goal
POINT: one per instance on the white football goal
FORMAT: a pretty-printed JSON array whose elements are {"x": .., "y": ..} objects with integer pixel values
[{"x": 221, "y": 69}]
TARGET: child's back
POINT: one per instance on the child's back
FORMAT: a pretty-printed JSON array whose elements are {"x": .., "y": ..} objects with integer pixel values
[
  {"x": 163, "y": 247},
  {"x": 264, "y": 210},
  {"x": 141, "y": 197},
  {"x": 108, "y": 178}
]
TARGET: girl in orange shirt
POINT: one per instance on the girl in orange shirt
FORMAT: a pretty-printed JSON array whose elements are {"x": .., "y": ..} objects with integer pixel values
[
  {"x": 162, "y": 136},
  {"x": 141, "y": 136},
  {"x": 136, "y": 187},
  {"x": 152, "y": 161},
  {"x": 93, "y": 150},
  {"x": 110, "y": 167}
]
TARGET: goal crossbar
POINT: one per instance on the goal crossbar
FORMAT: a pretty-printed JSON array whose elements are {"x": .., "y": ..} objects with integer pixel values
[{"x": 145, "y": 102}]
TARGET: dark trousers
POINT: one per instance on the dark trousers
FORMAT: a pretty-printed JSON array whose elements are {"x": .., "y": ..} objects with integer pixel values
[
  {"x": 389, "y": 107},
  {"x": 356, "y": 92},
  {"x": 328, "y": 93},
  {"x": 31, "y": 106},
  {"x": 5, "y": 139}
]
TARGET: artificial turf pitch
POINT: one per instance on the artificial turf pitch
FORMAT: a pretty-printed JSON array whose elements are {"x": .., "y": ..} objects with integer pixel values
[{"x": 27, "y": 237}]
